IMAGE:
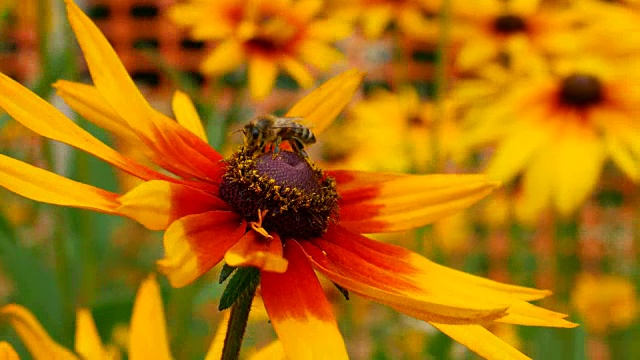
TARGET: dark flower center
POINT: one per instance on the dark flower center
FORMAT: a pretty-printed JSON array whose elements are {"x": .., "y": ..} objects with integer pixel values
[
  {"x": 509, "y": 24},
  {"x": 299, "y": 199},
  {"x": 264, "y": 45},
  {"x": 581, "y": 90}
]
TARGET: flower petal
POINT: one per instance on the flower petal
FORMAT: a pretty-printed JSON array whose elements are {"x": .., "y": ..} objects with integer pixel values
[
  {"x": 196, "y": 243},
  {"x": 33, "y": 335},
  {"x": 88, "y": 343},
  {"x": 7, "y": 352},
  {"x": 44, "y": 186},
  {"x": 296, "y": 305},
  {"x": 298, "y": 71},
  {"x": 256, "y": 250},
  {"x": 481, "y": 341},
  {"x": 44, "y": 119},
  {"x": 187, "y": 115},
  {"x": 273, "y": 351},
  {"x": 579, "y": 159},
  {"x": 227, "y": 56},
  {"x": 148, "y": 337},
  {"x": 382, "y": 202},
  {"x": 156, "y": 204},
  {"x": 179, "y": 150},
  {"x": 344, "y": 258},
  {"x": 262, "y": 75},
  {"x": 87, "y": 101},
  {"x": 321, "y": 106}
]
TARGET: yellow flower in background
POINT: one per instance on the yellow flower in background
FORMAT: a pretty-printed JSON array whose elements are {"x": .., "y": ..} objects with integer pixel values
[
  {"x": 395, "y": 132},
  {"x": 558, "y": 129},
  {"x": 147, "y": 337},
  {"x": 605, "y": 302},
  {"x": 7, "y": 352},
  {"x": 266, "y": 35},
  {"x": 490, "y": 29},
  {"x": 375, "y": 16}
]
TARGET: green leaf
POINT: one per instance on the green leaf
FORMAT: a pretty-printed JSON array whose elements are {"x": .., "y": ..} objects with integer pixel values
[
  {"x": 226, "y": 272},
  {"x": 244, "y": 278}
]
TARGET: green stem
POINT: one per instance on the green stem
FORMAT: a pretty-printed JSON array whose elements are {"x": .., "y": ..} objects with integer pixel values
[{"x": 238, "y": 321}]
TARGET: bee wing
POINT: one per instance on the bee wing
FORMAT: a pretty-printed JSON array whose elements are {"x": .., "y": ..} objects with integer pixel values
[{"x": 285, "y": 122}]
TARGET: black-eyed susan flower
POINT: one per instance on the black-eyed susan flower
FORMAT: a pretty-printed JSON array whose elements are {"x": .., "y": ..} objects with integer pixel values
[
  {"x": 277, "y": 213},
  {"x": 495, "y": 29},
  {"x": 147, "y": 335},
  {"x": 267, "y": 35},
  {"x": 557, "y": 130},
  {"x": 605, "y": 302},
  {"x": 374, "y": 16}
]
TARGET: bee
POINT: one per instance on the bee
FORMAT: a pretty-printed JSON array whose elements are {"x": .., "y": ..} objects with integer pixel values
[{"x": 268, "y": 129}]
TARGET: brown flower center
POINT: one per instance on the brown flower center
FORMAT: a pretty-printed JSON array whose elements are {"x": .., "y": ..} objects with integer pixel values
[
  {"x": 509, "y": 24},
  {"x": 581, "y": 90},
  {"x": 299, "y": 199}
]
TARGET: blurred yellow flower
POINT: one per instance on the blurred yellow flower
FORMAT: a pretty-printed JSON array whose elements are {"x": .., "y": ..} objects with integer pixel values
[
  {"x": 605, "y": 302},
  {"x": 491, "y": 28},
  {"x": 375, "y": 16},
  {"x": 267, "y": 35},
  {"x": 7, "y": 352},
  {"x": 395, "y": 132},
  {"x": 558, "y": 128}
]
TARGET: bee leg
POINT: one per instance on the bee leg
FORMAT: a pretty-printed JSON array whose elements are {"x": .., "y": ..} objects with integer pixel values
[
  {"x": 298, "y": 147},
  {"x": 276, "y": 147}
]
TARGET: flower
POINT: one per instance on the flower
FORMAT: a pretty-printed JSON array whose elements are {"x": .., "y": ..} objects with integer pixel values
[
  {"x": 267, "y": 34},
  {"x": 494, "y": 29},
  {"x": 557, "y": 129},
  {"x": 7, "y": 352},
  {"x": 147, "y": 337},
  {"x": 214, "y": 209},
  {"x": 605, "y": 302},
  {"x": 375, "y": 16}
]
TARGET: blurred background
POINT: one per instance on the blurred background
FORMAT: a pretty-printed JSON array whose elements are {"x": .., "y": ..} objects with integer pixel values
[{"x": 543, "y": 95}]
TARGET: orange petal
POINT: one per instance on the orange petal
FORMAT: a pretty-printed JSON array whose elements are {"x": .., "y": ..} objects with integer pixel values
[
  {"x": 7, "y": 352},
  {"x": 196, "y": 243},
  {"x": 44, "y": 186},
  {"x": 481, "y": 341},
  {"x": 156, "y": 204},
  {"x": 299, "y": 310},
  {"x": 382, "y": 202},
  {"x": 421, "y": 288},
  {"x": 344, "y": 258},
  {"x": 44, "y": 119},
  {"x": 321, "y": 107},
  {"x": 33, "y": 335},
  {"x": 256, "y": 250},
  {"x": 148, "y": 337},
  {"x": 180, "y": 151},
  {"x": 88, "y": 343}
]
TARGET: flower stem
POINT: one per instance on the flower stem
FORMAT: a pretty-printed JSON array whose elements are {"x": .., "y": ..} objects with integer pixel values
[{"x": 238, "y": 320}]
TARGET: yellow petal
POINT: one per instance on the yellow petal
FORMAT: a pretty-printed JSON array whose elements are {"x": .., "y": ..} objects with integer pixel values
[
  {"x": 187, "y": 115},
  {"x": 88, "y": 343},
  {"x": 579, "y": 160},
  {"x": 321, "y": 107},
  {"x": 375, "y": 20},
  {"x": 481, "y": 341},
  {"x": 273, "y": 351},
  {"x": 255, "y": 250},
  {"x": 217, "y": 344},
  {"x": 623, "y": 157},
  {"x": 44, "y": 186},
  {"x": 156, "y": 204},
  {"x": 44, "y": 119},
  {"x": 33, "y": 335},
  {"x": 298, "y": 71},
  {"x": 262, "y": 76},
  {"x": 319, "y": 54},
  {"x": 87, "y": 101},
  {"x": 224, "y": 58},
  {"x": 148, "y": 337},
  {"x": 7, "y": 352}
]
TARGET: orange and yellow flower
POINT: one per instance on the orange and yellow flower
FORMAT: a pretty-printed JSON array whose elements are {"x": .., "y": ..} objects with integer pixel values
[
  {"x": 266, "y": 35},
  {"x": 202, "y": 229},
  {"x": 558, "y": 128}
]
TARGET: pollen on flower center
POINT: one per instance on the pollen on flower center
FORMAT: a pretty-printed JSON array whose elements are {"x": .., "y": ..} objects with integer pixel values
[
  {"x": 581, "y": 90},
  {"x": 509, "y": 24},
  {"x": 298, "y": 200}
]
